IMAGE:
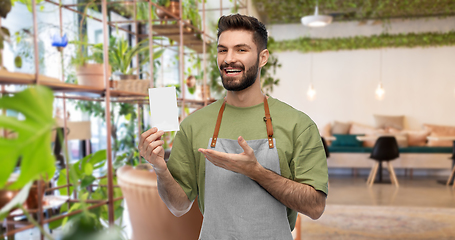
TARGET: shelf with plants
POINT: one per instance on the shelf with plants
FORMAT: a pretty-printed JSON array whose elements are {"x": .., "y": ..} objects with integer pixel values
[{"x": 75, "y": 178}]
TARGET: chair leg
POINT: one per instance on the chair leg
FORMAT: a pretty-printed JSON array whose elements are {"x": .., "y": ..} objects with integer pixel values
[
  {"x": 373, "y": 173},
  {"x": 451, "y": 176},
  {"x": 393, "y": 176}
]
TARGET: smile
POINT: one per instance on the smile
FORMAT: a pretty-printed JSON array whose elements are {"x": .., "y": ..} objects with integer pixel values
[{"x": 232, "y": 71}]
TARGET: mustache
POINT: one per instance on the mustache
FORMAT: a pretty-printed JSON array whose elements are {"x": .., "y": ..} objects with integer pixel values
[{"x": 225, "y": 65}]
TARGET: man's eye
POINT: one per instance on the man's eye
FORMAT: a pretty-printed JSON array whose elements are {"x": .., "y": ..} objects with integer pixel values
[{"x": 221, "y": 50}]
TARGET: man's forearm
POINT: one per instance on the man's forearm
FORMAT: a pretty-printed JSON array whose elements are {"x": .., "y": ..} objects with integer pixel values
[
  {"x": 300, "y": 197},
  {"x": 172, "y": 194}
]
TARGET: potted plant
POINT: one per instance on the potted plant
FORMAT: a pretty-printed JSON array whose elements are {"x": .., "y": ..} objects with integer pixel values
[
  {"x": 89, "y": 66},
  {"x": 190, "y": 15},
  {"x": 121, "y": 55},
  {"x": 170, "y": 5},
  {"x": 5, "y": 8}
]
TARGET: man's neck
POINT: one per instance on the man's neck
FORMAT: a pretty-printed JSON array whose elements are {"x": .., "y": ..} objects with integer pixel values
[{"x": 247, "y": 97}]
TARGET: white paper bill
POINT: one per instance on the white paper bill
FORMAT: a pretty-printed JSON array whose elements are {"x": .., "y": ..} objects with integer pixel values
[{"x": 163, "y": 109}]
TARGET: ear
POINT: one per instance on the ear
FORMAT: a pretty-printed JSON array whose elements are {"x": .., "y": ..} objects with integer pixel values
[{"x": 263, "y": 57}]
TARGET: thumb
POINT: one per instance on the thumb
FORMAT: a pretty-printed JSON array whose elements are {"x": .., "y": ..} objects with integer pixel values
[{"x": 246, "y": 148}]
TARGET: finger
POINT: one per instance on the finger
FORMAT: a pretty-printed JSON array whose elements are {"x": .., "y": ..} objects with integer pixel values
[
  {"x": 155, "y": 136},
  {"x": 147, "y": 133},
  {"x": 152, "y": 146},
  {"x": 246, "y": 148}
]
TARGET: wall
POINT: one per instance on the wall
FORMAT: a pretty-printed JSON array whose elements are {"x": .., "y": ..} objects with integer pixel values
[{"x": 419, "y": 82}]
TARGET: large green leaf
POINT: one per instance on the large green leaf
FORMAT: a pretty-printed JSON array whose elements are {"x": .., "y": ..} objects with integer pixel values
[{"x": 33, "y": 142}]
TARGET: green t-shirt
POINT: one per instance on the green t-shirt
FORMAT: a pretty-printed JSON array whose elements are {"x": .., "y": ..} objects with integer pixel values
[{"x": 299, "y": 145}]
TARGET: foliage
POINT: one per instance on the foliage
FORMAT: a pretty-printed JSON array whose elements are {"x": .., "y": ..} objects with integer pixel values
[
  {"x": 191, "y": 12},
  {"x": 409, "y": 40},
  {"x": 269, "y": 69},
  {"x": 33, "y": 141},
  {"x": 123, "y": 128},
  {"x": 5, "y": 8},
  {"x": 83, "y": 53},
  {"x": 82, "y": 175},
  {"x": 121, "y": 54},
  {"x": 275, "y": 11}
]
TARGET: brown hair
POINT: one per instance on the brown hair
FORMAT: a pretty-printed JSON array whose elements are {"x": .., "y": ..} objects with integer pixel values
[{"x": 242, "y": 22}]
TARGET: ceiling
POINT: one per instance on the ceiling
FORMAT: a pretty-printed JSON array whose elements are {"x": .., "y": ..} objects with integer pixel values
[{"x": 290, "y": 11}]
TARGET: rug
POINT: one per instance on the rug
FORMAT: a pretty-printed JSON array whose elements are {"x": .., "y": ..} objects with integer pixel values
[{"x": 344, "y": 222}]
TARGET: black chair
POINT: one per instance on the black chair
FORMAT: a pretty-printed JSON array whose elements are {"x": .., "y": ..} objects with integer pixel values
[
  {"x": 385, "y": 150},
  {"x": 327, "y": 153}
]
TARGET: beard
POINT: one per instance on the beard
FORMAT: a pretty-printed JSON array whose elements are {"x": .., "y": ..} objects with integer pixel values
[{"x": 249, "y": 77}]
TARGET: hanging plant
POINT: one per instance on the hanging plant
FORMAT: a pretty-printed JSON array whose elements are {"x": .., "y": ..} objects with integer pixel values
[{"x": 409, "y": 40}]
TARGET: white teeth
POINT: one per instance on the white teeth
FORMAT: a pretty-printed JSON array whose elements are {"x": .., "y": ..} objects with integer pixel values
[{"x": 232, "y": 70}]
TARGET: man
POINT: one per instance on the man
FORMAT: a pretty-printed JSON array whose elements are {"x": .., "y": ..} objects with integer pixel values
[{"x": 264, "y": 161}]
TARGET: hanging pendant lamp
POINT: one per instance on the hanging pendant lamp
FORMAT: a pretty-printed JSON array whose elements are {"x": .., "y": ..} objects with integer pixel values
[
  {"x": 380, "y": 89},
  {"x": 311, "y": 93},
  {"x": 316, "y": 20}
]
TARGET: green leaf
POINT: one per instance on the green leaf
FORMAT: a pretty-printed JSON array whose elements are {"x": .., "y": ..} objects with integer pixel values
[
  {"x": 62, "y": 181},
  {"x": 88, "y": 169},
  {"x": 33, "y": 142},
  {"x": 5, "y": 8},
  {"x": 18, "y": 200},
  {"x": 5, "y": 31},
  {"x": 18, "y": 61},
  {"x": 86, "y": 181}
]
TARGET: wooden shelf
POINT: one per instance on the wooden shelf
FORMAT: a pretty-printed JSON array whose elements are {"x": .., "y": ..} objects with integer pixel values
[
  {"x": 172, "y": 31},
  {"x": 15, "y": 78}
]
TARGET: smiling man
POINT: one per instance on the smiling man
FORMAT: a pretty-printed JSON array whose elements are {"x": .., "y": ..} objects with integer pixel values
[{"x": 252, "y": 160}]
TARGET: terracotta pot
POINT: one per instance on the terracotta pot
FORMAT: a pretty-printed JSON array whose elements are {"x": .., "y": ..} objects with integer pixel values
[
  {"x": 173, "y": 8},
  {"x": 33, "y": 198},
  {"x": 191, "y": 81},
  {"x": 91, "y": 74},
  {"x": 6, "y": 196}
]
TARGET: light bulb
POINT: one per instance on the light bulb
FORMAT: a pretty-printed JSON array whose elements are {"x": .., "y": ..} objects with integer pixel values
[
  {"x": 380, "y": 92},
  {"x": 311, "y": 93}
]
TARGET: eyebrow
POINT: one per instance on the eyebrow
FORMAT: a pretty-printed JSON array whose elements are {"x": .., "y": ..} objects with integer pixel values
[{"x": 236, "y": 46}]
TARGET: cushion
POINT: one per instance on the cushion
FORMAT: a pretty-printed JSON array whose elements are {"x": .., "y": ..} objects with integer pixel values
[
  {"x": 384, "y": 122},
  {"x": 326, "y": 131},
  {"x": 346, "y": 140},
  {"x": 401, "y": 136},
  {"x": 340, "y": 127},
  {"x": 440, "y": 131},
  {"x": 357, "y": 128},
  {"x": 417, "y": 137}
]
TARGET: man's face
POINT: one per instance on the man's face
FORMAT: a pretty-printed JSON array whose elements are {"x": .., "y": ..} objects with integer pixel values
[{"x": 238, "y": 59}]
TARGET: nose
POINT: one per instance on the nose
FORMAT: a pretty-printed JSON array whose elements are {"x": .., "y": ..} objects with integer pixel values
[{"x": 229, "y": 57}]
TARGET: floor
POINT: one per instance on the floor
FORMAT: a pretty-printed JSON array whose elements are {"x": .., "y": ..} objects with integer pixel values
[
  {"x": 417, "y": 192},
  {"x": 350, "y": 190}
]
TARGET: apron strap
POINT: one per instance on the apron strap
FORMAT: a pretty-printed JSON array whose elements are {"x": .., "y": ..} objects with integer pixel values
[
  {"x": 267, "y": 120},
  {"x": 218, "y": 123}
]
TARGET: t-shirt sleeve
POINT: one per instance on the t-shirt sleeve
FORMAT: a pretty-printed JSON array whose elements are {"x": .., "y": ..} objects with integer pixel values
[
  {"x": 309, "y": 163},
  {"x": 182, "y": 165}
]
